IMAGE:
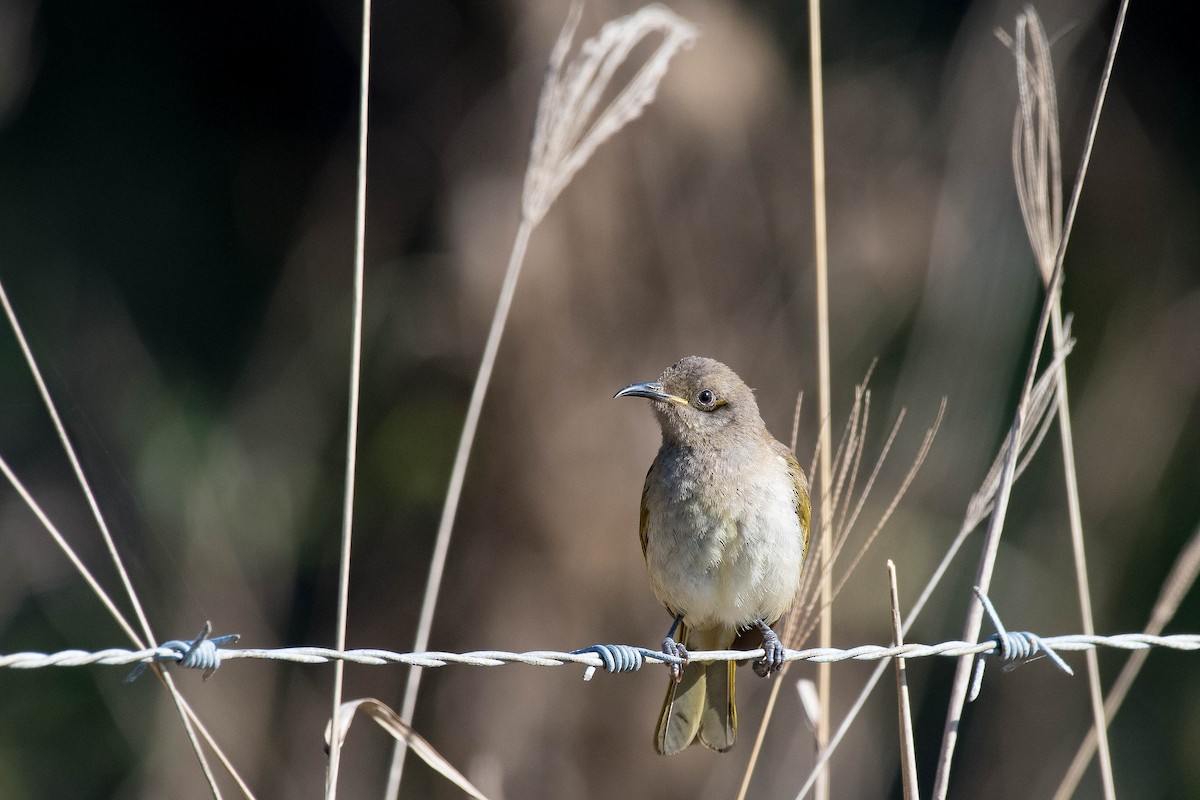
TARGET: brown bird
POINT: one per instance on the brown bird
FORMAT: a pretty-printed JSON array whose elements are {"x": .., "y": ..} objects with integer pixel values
[{"x": 724, "y": 529}]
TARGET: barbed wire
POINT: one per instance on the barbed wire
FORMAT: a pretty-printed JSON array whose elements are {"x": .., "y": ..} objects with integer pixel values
[{"x": 203, "y": 653}]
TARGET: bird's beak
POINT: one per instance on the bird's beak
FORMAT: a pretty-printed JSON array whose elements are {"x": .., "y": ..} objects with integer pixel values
[{"x": 652, "y": 391}]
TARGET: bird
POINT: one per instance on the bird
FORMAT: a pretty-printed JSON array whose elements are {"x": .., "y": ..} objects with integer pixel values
[{"x": 724, "y": 530}]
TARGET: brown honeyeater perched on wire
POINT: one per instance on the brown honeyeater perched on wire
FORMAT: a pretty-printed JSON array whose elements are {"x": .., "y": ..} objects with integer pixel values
[{"x": 724, "y": 529}]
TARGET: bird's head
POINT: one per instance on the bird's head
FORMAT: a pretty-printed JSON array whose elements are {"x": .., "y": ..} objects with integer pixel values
[{"x": 700, "y": 401}]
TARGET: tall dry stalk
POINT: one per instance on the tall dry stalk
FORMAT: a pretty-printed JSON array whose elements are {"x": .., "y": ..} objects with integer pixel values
[
  {"x": 824, "y": 402},
  {"x": 360, "y": 239},
  {"x": 193, "y": 727},
  {"x": 1037, "y": 168},
  {"x": 570, "y": 125},
  {"x": 978, "y": 508},
  {"x": 958, "y": 691},
  {"x": 908, "y": 748},
  {"x": 845, "y": 463}
]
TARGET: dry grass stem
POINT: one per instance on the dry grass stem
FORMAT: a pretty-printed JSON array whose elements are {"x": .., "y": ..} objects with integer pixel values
[
  {"x": 958, "y": 692},
  {"x": 803, "y": 619},
  {"x": 186, "y": 716},
  {"x": 842, "y": 535},
  {"x": 1179, "y": 582},
  {"x": 983, "y": 580},
  {"x": 70, "y": 553},
  {"x": 918, "y": 462},
  {"x": 401, "y": 731},
  {"x": 806, "y": 595},
  {"x": 190, "y": 718},
  {"x": 796, "y": 420},
  {"x": 1040, "y": 399},
  {"x": 568, "y": 127},
  {"x": 564, "y": 138},
  {"x": 192, "y": 724},
  {"x": 848, "y": 479},
  {"x": 1037, "y": 169},
  {"x": 908, "y": 748},
  {"x": 824, "y": 392},
  {"x": 977, "y": 509},
  {"x": 801, "y": 625},
  {"x": 813, "y": 557},
  {"x": 356, "y": 317},
  {"x": 849, "y": 443}
]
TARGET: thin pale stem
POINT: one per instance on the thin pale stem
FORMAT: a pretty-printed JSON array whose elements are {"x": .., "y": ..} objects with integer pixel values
[
  {"x": 61, "y": 430},
  {"x": 849, "y": 480},
  {"x": 806, "y": 597},
  {"x": 991, "y": 543},
  {"x": 186, "y": 715},
  {"x": 983, "y": 579},
  {"x": 796, "y": 420},
  {"x": 918, "y": 461},
  {"x": 842, "y": 455},
  {"x": 1037, "y": 165},
  {"x": 789, "y": 636},
  {"x": 881, "y": 667},
  {"x": 844, "y": 531},
  {"x": 908, "y": 748},
  {"x": 972, "y": 519},
  {"x": 1080, "y": 560},
  {"x": 69, "y": 551},
  {"x": 360, "y": 245},
  {"x": 437, "y": 564},
  {"x": 841, "y": 536},
  {"x": 164, "y": 676},
  {"x": 797, "y": 616},
  {"x": 761, "y": 736},
  {"x": 823, "y": 388},
  {"x": 109, "y": 544},
  {"x": 1089, "y": 143}
]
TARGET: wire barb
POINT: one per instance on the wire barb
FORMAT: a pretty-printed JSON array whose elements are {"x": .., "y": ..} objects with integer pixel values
[
  {"x": 620, "y": 658},
  {"x": 200, "y": 653},
  {"x": 1014, "y": 647}
]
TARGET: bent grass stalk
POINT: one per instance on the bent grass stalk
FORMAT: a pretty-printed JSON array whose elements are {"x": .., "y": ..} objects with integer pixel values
[
  {"x": 978, "y": 508},
  {"x": 1037, "y": 170},
  {"x": 804, "y": 619},
  {"x": 570, "y": 125},
  {"x": 191, "y": 723},
  {"x": 991, "y": 543}
]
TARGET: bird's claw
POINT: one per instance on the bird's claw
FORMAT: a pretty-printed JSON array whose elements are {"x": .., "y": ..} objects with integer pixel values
[
  {"x": 675, "y": 649},
  {"x": 772, "y": 660}
]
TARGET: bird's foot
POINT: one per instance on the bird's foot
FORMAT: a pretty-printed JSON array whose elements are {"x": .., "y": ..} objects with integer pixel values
[
  {"x": 772, "y": 660},
  {"x": 675, "y": 649}
]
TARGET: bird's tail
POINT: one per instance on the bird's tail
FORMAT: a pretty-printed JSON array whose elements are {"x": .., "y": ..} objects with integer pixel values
[{"x": 702, "y": 702}]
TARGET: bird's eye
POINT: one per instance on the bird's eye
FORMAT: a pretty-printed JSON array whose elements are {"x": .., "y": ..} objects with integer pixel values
[{"x": 705, "y": 398}]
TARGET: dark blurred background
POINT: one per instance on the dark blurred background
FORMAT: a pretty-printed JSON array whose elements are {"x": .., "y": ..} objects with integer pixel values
[{"x": 176, "y": 217}]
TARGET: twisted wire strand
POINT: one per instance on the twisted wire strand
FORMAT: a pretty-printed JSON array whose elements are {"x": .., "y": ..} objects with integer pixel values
[{"x": 596, "y": 657}]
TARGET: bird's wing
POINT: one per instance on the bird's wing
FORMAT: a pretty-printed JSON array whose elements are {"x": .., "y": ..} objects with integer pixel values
[
  {"x": 803, "y": 503},
  {"x": 643, "y": 528}
]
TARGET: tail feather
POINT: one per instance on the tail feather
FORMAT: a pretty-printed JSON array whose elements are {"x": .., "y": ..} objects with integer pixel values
[
  {"x": 718, "y": 725},
  {"x": 701, "y": 704}
]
